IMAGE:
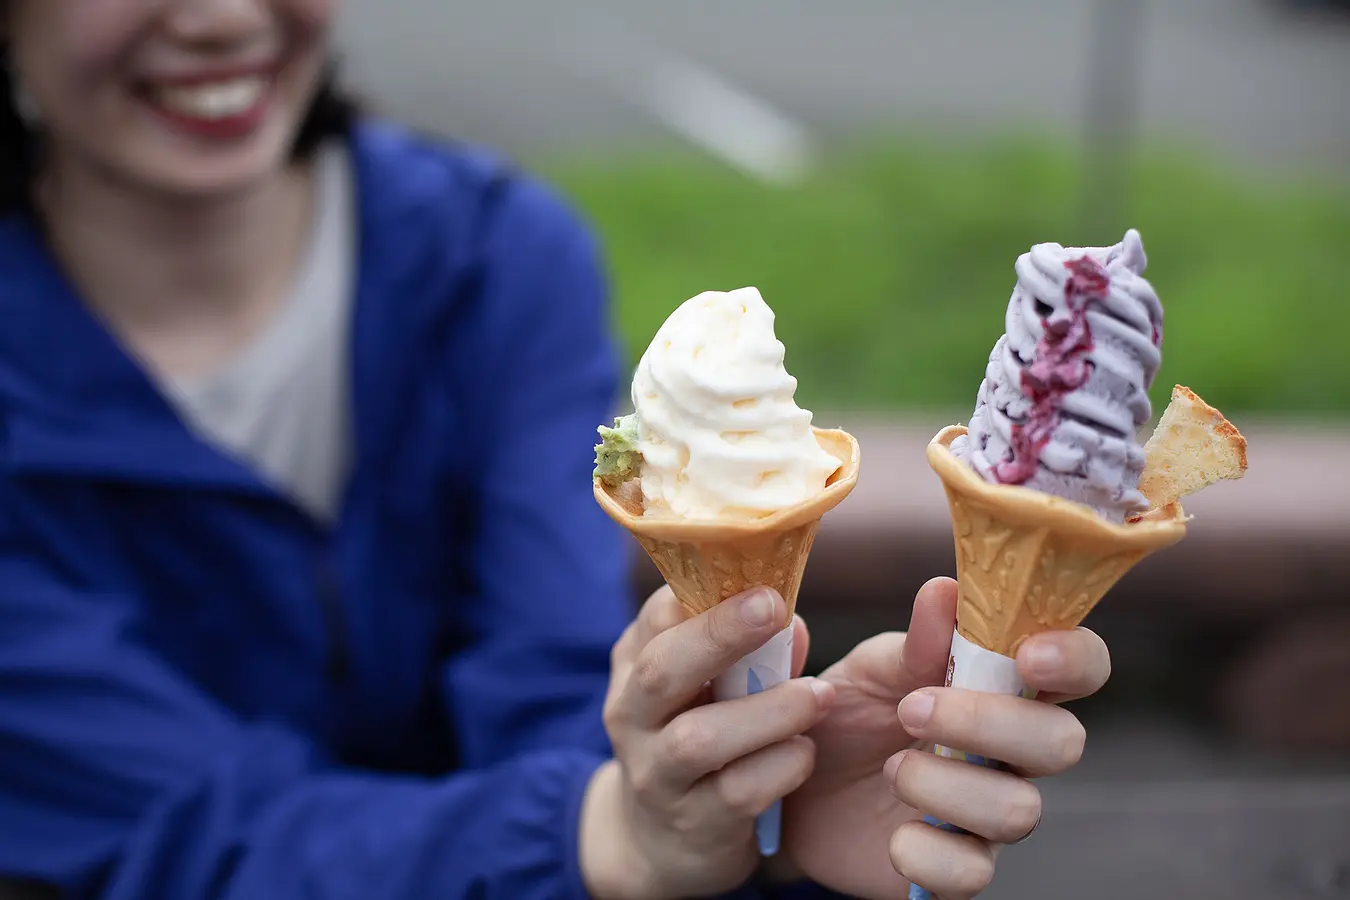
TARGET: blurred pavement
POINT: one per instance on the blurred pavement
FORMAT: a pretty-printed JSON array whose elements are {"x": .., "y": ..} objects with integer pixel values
[{"x": 1244, "y": 78}]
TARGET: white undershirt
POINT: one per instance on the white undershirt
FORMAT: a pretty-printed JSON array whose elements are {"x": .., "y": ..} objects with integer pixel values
[{"x": 283, "y": 402}]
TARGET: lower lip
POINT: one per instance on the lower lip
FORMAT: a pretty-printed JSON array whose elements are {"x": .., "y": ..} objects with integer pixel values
[{"x": 233, "y": 127}]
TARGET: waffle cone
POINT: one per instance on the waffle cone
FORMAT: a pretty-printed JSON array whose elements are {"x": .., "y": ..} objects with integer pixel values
[
  {"x": 1028, "y": 562},
  {"x": 705, "y": 561}
]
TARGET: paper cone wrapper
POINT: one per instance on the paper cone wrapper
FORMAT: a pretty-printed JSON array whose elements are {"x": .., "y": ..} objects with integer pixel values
[
  {"x": 1028, "y": 562},
  {"x": 705, "y": 561},
  {"x": 973, "y": 668},
  {"x": 765, "y": 668}
]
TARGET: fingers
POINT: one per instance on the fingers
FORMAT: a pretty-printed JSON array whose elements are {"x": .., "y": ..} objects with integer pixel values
[
  {"x": 893, "y": 664},
  {"x": 660, "y": 613},
  {"x": 751, "y": 784},
  {"x": 996, "y": 805},
  {"x": 707, "y": 738},
  {"x": 951, "y": 866},
  {"x": 1034, "y": 738},
  {"x": 1064, "y": 665},
  {"x": 671, "y": 670},
  {"x": 928, "y": 643}
]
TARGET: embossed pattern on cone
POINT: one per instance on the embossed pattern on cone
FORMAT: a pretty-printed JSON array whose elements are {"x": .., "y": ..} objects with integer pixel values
[
  {"x": 703, "y": 574},
  {"x": 1028, "y": 562},
  {"x": 705, "y": 561}
]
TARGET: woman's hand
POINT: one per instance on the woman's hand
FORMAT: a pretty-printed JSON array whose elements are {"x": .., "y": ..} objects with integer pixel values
[
  {"x": 673, "y": 814},
  {"x": 855, "y": 825}
]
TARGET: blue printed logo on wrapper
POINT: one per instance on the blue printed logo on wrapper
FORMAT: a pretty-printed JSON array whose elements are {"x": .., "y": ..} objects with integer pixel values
[{"x": 768, "y": 666}]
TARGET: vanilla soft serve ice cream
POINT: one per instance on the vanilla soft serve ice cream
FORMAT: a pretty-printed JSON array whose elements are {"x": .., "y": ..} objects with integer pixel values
[
  {"x": 721, "y": 478},
  {"x": 719, "y": 432}
]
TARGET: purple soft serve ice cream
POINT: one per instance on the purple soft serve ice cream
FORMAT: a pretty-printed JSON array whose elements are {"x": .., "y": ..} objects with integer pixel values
[{"x": 1066, "y": 388}]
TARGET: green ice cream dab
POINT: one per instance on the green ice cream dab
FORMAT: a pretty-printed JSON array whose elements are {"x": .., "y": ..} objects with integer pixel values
[{"x": 617, "y": 458}]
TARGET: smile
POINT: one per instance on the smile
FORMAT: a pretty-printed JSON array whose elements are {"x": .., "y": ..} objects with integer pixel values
[{"x": 213, "y": 101}]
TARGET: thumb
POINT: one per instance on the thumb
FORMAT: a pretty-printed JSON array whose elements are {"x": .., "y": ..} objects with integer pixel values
[
  {"x": 929, "y": 642},
  {"x": 896, "y": 664}
]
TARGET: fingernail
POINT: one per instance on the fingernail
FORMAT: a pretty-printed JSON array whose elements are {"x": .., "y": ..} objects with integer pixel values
[
  {"x": 757, "y": 608},
  {"x": 823, "y": 690},
  {"x": 916, "y": 709},
  {"x": 893, "y": 765},
  {"x": 1044, "y": 656}
]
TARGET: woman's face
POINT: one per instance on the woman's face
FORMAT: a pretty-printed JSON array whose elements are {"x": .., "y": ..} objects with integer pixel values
[{"x": 185, "y": 96}]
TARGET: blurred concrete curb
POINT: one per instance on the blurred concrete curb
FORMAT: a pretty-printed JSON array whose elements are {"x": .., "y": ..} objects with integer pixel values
[
  {"x": 1273, "y": 541},
  {"x": 1275, "y": 538},
  {"x": 1269, "y": 550}
]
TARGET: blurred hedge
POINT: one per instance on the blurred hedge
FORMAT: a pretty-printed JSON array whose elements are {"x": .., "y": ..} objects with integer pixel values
[{"x": 890, "y": 270}]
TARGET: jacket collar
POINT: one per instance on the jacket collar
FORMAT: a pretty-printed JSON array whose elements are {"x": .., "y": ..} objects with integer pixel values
[{"x": 73, "y": 401}]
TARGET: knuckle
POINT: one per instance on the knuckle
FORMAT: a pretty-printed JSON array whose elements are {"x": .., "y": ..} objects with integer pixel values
[
  {"x": 686, "y": 816},
  {"x": 804, "y": 704},
  {"x": 802, "y": 760},
  {"x": 737, "y": 794},
  {"x": 643, "y": 778},
  {"x": 719, "y": 630},
  {"x": 661, "y": 612},
  {"x": 612, "y": 715},
  {"x": 965, "y": 714},
  {"x": 1094, "y": 647},
  {"x": 976, "y": 873},
  {"x": 1069, "y": 746},
  {"x": 966, "y": 867},
  {"x": 1104, "y": 664},
  {"x": 1023, "y": 812},
  {"x": 691, "y": 744},
  {"x": 649, "y": 673},
  {"x": 747, "y": 787},
  {"x": 908, "y": 776},
  {"x": 794, "y": 708},
  {"x": 899, "y": 849},
  {"x": 660, "y": 601},
  {"x": 619, "y": 651}
]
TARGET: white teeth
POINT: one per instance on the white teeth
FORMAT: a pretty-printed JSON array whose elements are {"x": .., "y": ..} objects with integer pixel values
[{"x": 219, "y": 100}]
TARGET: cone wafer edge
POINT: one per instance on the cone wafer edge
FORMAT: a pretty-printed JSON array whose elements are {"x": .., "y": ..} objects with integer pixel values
[
  {"x": 707, "y": 561},
  {"x": 1027, "y": 561}
]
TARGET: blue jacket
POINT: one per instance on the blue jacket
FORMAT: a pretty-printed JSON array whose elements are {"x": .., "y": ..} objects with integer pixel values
[{"x": 205, "y": 693}]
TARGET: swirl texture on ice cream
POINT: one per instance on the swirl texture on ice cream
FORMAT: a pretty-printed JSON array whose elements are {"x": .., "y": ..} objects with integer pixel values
[
  {"x": 1066, "y": 388},
  {"x": 718, "y": 427}
]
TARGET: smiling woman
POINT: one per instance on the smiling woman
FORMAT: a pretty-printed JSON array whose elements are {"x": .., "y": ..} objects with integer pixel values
[
  {"x": 272, "y": 623},
  {"x": 194, "y": 101},
  {"x": 221, "y": 105}
]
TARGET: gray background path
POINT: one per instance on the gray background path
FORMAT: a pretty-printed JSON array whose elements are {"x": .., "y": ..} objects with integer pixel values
[{"x": 1243, "y": 78}]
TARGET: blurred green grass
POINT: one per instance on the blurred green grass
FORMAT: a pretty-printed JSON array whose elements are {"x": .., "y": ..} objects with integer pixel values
[{"x": 890, "y": 270}]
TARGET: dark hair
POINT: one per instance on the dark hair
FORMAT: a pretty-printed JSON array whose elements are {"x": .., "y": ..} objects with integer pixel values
[{"x": 331, "y": 114}]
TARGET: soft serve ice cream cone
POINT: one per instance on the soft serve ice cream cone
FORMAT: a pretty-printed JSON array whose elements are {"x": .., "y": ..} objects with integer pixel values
[
  {"x": 1044, "y": 488},
  {"x": 720, "y": 475}
]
